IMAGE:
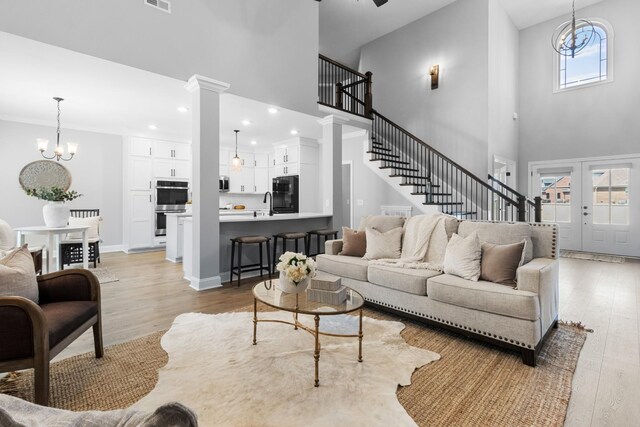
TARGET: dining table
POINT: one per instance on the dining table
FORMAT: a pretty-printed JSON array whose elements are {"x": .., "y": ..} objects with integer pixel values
[{"x": 53, "y": 241}]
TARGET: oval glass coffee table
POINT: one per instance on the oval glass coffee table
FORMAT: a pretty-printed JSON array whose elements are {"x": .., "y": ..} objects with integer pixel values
[{"x": 266, "y": 293}]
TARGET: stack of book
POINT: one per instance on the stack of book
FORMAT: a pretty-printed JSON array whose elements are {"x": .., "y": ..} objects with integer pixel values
[{"x": 327, "y": 289}]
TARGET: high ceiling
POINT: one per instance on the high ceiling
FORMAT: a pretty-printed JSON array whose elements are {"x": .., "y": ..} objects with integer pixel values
[
  {"x": 107, "y": 97},
  {"x": 347, "y": 25}
]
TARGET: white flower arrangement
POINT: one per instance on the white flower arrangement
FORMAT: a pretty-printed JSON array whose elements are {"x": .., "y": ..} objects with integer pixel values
[{"x": 296, "y": 267}]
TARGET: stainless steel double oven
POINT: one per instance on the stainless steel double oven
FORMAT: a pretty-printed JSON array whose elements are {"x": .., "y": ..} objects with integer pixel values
[{"x": 171, "y": 197}]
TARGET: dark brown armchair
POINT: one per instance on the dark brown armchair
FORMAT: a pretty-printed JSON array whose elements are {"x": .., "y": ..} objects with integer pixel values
[{"x": 32, "y": 334}]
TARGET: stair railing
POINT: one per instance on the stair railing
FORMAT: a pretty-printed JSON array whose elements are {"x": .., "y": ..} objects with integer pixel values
[
  {"x": 532, "y": 209},
  {"x": 442, "y": 181},
  {"x": 344, "y": 88}
]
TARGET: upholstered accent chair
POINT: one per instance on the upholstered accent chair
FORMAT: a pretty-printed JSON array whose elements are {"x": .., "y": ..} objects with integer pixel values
[
  {"x": 71, "y": 247},
  {"x": 32, "y": 334}
]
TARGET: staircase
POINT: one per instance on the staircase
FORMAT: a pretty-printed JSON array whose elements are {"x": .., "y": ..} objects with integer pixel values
[{"x": 434, "y": 179}]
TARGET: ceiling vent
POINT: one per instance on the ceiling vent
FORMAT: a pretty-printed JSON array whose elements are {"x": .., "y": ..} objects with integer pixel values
[{"x": 162, "y": 5}]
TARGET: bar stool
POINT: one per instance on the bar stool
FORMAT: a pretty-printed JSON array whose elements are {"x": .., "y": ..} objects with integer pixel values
[
  {"x": 259, "y": 240},
  {"x": 326, "y": 232},
  {"x": 295, "y": 236}
]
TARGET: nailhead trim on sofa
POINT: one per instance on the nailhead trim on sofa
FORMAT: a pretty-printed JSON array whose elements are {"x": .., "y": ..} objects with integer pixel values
[{"x": 446, "y": 322}]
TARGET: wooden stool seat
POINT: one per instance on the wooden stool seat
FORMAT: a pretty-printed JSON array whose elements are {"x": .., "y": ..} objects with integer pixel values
[
  {"x": 247, "y": 240},
  {"x": 290, "y": 235},
  {"x": 326, "y": 232}
]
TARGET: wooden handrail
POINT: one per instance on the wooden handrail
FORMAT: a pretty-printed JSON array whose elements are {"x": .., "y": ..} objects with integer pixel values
[{"x": 344, "y": 67}]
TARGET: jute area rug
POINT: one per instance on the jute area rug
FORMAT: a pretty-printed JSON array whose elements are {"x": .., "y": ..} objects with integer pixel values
[{"x": 474, "y": 384}]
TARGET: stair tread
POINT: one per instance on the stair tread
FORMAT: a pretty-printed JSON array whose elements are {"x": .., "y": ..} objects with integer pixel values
[
  {"x": 398, "y": 168},
  {"x": 404, "y": 175},
  {"x": 399, "y": 162},
  {"x": 442, "y": 203},
  {"x": 381, "y": 148},
  {"x": 424, "y": 193},
  {"x": 419, "y": 185}
]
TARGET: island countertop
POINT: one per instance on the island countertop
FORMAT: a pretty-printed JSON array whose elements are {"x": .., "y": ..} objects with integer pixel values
[{"x": 248, "y": 217}]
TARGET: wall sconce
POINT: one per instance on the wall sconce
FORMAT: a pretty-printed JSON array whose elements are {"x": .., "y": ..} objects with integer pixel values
[{"x": 434, "y": 72}]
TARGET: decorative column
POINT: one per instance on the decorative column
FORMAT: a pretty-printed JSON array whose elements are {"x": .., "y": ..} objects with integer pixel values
[
  {"x": 205, "y": 143},
  {"x": 332, "y": 168}
]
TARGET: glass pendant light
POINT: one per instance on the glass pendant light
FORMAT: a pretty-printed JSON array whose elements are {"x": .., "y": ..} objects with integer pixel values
[
  {"x": 58, "y": 151},
  {"x": 236, "y": 162}
]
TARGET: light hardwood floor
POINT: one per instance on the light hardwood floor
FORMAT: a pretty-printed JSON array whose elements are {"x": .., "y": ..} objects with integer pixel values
[{"x": 603, "y": 296}]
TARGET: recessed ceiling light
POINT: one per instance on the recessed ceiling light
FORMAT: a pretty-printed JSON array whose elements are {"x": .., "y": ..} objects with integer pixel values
[
  {"x": 254, "y": 142},
  {"x": 183, "y": 109},
  {"x": 272, "y": 110},
  {"x": 294, "y": 132},
  {"x": 246, "y": 122},
  {"x": 153, "y": 127}
]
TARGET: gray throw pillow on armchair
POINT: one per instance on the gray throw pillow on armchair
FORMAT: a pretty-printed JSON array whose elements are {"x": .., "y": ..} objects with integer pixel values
[{"x": 18, "y": 275}]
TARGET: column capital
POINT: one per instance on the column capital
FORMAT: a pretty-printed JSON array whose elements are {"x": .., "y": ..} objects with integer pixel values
[
  {"x": 201, "y": 82},
  {"x": 333, "y": 120}
]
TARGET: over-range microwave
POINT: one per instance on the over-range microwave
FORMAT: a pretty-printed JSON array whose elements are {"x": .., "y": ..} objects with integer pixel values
[{"x": 224, "y": 183}]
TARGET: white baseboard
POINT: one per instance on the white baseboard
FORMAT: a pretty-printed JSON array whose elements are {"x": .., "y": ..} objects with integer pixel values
[
  {"x": 224, "y": 276},
  {"x": 204, "y": 284},
  {"x": 111, "y": 248}
]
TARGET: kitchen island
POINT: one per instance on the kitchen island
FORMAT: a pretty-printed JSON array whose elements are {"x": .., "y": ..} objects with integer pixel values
[{"x": 234, "y": 225}]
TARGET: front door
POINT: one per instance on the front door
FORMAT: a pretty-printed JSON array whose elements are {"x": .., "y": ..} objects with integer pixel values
[
  {"x": 611, "y": 207},
  {"x": 596, "y": 203}
]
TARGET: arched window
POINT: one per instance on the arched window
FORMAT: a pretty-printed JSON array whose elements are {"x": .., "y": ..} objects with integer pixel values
[{"x": 592, "y": 65}]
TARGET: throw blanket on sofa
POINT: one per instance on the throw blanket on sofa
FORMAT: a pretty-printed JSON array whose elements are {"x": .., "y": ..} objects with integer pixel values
[{"x": 417, "y": 237}]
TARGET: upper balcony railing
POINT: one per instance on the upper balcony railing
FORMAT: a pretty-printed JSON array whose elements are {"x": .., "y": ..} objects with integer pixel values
[{"x": 344, "y": 88}]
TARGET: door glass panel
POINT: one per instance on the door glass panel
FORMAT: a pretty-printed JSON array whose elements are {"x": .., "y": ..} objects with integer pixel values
[
  {"x": 555, "y": 191},
  {"x": 610, "y": 196}
]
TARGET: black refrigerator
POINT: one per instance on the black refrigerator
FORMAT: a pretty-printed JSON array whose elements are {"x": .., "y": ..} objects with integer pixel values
[{"x": 285, "y": 194}]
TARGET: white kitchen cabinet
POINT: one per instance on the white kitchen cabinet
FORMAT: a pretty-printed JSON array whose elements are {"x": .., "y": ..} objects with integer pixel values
[
  {"x": 168, "y": 168},
  {"x": 182, "y": 169},
  {"x": 140, "y": 173},
  {"x": 141, "y": 219},
  {"x": 171, "y": 150},
  {"x": 140, "y": 147},
  {"x": 224, "y": 157},
  {"x": 262, "y": 180},
  {"x": 248, "y": 180},
  {"x": 288, "y": 169},
  {"x": 261, "y": 160},
  {"x": 235, "y": 181},
  {"x": 286, "y": 154}
]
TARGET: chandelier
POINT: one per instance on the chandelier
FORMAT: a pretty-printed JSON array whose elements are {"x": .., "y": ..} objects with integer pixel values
[
  {"x": 58, "y": 152},
  {"x": 570, "y": 38}
]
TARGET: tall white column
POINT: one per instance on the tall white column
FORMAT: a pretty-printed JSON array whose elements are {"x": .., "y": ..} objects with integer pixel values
[
  {"x": 332, "y": 168},
  {"x": 205, "y": 143}
]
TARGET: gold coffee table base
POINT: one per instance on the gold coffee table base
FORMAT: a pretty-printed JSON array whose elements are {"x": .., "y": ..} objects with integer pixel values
[{"x": 315, "y": 331}]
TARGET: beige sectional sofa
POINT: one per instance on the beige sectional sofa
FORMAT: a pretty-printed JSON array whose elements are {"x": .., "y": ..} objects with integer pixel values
[{"x": 517, "y": 318}]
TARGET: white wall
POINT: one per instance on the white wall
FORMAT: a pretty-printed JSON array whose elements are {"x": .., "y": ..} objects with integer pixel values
[
  {"x": 591, "y": 121},
  {"x": 369, "y": 187},
  {"x": 266, "y": 50},
  {"x": 96, "y": 173},
  {"x": 452, "y": 118},
  {"x": 503, "y": 85}
]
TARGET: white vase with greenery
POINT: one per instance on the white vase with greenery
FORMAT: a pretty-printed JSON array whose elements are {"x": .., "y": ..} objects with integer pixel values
[{"x": 55, "y": 213}]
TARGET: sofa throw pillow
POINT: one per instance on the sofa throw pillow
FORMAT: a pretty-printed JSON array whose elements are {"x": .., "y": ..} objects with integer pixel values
[
  {"x": 381, "y": 223},
  {"x": 383, "y": 245},
  {"x": 500, "y": 234},
  {"x": 92, "y": 222},
  {"x": 18, "y": 275},
  {"x": 500, "y": 262},
  {"x": 462, "y": 257},
  {"x": 7, "y": 236},
  {"x": 354, "y": 242}
]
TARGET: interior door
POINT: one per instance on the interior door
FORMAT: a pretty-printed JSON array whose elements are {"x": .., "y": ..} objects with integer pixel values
[
  {"x": 558, "y": 186},
  {"x": 610, "y": 207}
]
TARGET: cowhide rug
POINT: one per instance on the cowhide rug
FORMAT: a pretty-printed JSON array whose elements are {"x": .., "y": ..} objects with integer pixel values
[{"x": 215, "y": 370}]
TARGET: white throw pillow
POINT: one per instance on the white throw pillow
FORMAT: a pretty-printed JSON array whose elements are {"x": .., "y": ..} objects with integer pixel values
[
  {"x": 7, "y": 236},
  {"x": 383, "y": 245},
  {"x": 462, "y": 257},
  {"x": 18, "y": 276},
  {"x": 92, "y": 222}
]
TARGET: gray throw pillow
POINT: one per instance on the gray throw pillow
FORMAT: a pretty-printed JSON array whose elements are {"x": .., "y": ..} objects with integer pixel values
[
  {"x": 500, "y": 262},
  {"x": 18, "y": 276}
]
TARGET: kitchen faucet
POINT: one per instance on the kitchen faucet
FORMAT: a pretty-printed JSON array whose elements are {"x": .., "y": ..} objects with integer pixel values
[{"x": 268, "y": 193}]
